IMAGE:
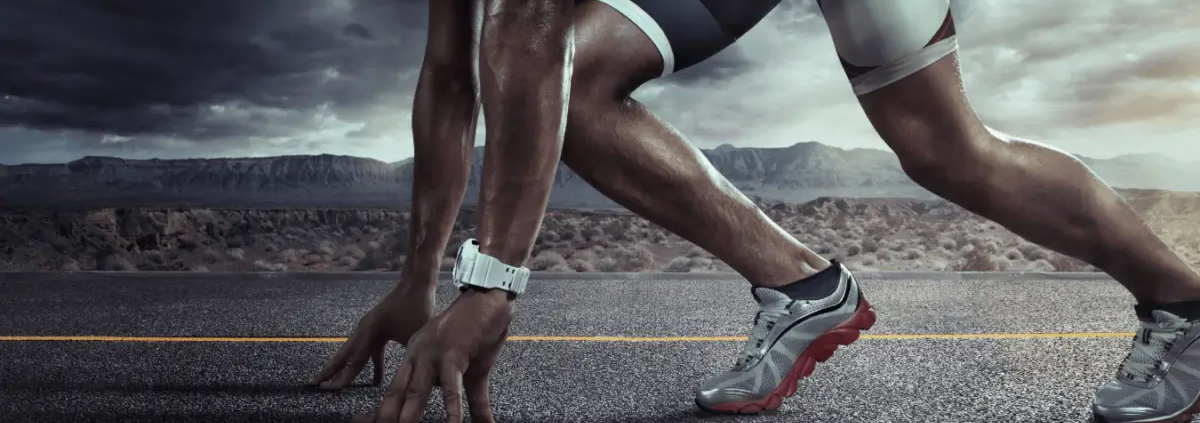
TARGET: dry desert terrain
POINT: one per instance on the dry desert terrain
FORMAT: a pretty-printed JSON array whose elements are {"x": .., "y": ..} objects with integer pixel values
[{"x": 873, "y": 234}]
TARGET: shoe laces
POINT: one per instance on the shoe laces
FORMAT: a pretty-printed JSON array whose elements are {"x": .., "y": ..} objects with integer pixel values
[
  {"x": 771, "y": 310},
  {"x": 1151, "y": 344}
]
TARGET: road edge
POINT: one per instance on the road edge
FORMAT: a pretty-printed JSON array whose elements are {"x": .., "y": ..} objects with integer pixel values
[{"x": 97, "y": 276}]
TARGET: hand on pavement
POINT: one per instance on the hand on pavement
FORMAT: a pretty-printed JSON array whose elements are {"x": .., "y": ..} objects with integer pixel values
[
  {"x": 395, "y": 318},
  {"x": 456, "y": 350}
]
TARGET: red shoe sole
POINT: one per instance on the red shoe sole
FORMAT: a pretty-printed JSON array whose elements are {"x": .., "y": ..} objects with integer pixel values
[
  {"x": 820, "y": 350},
  {"x": 1185, "y": 417}
]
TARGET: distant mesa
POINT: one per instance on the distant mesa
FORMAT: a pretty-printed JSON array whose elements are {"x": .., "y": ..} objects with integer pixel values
[{"x": 797, "y": 173}]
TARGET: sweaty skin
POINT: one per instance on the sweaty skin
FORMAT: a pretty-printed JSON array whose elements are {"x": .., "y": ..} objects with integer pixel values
[
  {"x": 628, "y": 154},
  {"x": 1040, "y": 193},
  {"x": 445, "y": 109},
  {"x": 613, "y": 142},
  {"x": 524, "y": 86}
]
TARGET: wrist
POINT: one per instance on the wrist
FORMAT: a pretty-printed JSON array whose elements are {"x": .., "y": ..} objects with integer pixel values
[
  {"x": 421, "y": 271},
  {"x": 497, "y": 296}
]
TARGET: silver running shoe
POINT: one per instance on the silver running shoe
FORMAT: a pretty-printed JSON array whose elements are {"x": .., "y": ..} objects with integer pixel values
[
  {"x": 789, "y": 337},
  {"x": 1160, "y": 379}
]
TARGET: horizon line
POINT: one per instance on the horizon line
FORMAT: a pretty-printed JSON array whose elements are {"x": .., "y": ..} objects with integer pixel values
[{"x": 395, "y": 162}]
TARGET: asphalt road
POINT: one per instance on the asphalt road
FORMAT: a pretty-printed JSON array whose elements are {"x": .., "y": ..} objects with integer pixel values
[{"x": 146, "y": 347}]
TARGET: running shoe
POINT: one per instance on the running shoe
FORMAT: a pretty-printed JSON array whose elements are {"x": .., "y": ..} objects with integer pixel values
[
  {"x": 1159, "y": 381},
  {"x": 797, "y": 326}
]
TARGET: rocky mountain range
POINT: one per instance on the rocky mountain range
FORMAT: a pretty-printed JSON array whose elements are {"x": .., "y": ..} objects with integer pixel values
[{"x": 798, "y": 173}]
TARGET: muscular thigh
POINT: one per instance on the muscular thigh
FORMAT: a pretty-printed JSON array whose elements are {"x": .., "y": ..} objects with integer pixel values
[{"x": 688, "y": 32}]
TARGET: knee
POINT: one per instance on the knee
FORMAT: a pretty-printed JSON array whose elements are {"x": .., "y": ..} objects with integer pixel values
[{"x": 934, "y": 158}]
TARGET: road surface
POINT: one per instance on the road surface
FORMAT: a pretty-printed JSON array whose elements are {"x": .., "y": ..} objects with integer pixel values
[{"x": 614, "y": 348}]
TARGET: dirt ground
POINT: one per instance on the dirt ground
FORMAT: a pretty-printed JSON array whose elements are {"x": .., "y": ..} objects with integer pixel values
[{"x": 865, "y": 234}]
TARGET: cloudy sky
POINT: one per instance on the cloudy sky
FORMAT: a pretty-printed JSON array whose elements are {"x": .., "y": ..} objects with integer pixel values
[{"x": 176, "y": 78}]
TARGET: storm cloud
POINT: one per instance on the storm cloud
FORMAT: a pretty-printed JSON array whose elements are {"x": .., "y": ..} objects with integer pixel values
[
  {"x": 174, "y": 78},
  {"x": 210, "y": 77}
]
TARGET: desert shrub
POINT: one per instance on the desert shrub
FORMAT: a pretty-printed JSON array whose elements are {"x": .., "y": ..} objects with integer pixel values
[
  {"x": 929, "y": 235},
  {"x": 913, "y": 254},
  {"x": 976, "y": 260},
  {"x": 853, "y": 249},
  {"x": 547, "y": 236},
  {"x": 326, "y": 247},
  {"x": 1013, "y": 254},
  {"x": 608, "y": 264},
  {"x": 1003, "y": 263},
  {"x": 592, "y": 234},
  {"x": 1033, "y": 252},
  {"x": 289, "y": 255},
  {"x": 1064, "y": 263},
  {"x": 588, "y": 255},
  {"x": 581, "y": 265},
  {"x": 549, "y": 261},
  {"x": 681, "y": 264},
  {"x": 696, "y": 251},
  {"x": 635, "y": 258},
  {"x": 113, "y": 261},
  {"x": 870, "y": 245},
  {"x": 658, "y": 237},
  {"x": 154, "y": 257},
  {"x": 615, "y": 230},
  {"x": 375, "y": 260},
  {"x": 353, "y": 250},
  {"x": 947, "y": 244},
  {"x": 568, "y": 233},
  {"x": 839, "y": 222},
  {"x": 1040, "y": 265},
  {"x": 264, "y": 266},
  {"x": 236, "y": 253}
]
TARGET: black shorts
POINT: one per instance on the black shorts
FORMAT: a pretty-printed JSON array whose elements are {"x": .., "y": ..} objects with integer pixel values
[{"x": 687, "y": 32}]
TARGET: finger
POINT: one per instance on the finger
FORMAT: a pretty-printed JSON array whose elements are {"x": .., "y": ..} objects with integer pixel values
[
  {"x": 337, "y": 362},
  {"x": 393, "y": 400},
  {"x": 417, "y": 394},
  {"x": 354, "y": 365},
  {"x": 478, "y": 400},
  {"x": 377, "y": 358},
  {"x": 475, "y": 383},
  {"x": 452, "y": 385}
]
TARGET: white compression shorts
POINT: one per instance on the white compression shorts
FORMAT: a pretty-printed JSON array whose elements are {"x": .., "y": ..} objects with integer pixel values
[
  {"x": 883, "y": 41},
  {"x": 879, "y": 41}
]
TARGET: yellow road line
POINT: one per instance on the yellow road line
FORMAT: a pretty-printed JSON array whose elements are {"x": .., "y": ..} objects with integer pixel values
[{"x": 915, "y": 336}]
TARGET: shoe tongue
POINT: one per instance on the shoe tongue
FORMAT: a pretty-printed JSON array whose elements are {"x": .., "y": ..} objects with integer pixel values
[
  {"x": 768, "y": 295},
  {"x": 1164, "y": 318}
]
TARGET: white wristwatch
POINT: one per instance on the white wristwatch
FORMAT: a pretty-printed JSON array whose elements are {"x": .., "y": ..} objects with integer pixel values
[{"x": 473, "y": 268}]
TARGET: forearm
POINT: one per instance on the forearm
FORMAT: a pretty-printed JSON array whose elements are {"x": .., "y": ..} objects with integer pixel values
[
  {"x": 445, "y": 110},
  {"x": 525, "y": 69}
]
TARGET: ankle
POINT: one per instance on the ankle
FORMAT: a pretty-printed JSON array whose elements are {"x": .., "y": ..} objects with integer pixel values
[{"x": 788, "y": 271}]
